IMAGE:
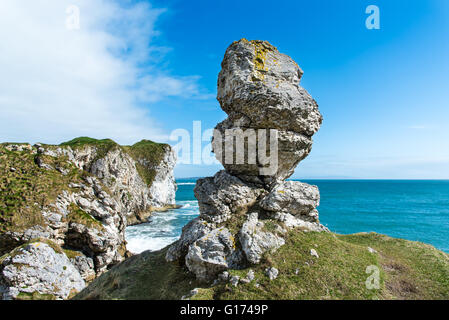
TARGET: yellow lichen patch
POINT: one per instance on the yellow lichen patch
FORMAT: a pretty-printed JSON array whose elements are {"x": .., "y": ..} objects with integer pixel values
[
  {"x": 261, "y": 49},
  {"x": 233, "y": 242},
  {"x": 281, "y": 191}
]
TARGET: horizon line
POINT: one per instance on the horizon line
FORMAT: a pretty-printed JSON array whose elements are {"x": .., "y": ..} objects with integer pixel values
[{"x": 374, "y": 179}]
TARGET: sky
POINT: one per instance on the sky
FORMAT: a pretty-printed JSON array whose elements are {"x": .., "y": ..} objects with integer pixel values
[{"x": 141, "y": 69}]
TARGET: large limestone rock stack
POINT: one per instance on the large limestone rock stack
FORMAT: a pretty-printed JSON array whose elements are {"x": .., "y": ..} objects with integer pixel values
[
  {"x": 246, "y": 209},
  {"x": 258, "y": 87}
]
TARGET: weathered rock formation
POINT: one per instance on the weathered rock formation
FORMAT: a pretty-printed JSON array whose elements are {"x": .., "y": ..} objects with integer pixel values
[
  {"x": 258, "y": 87},
  {"x": 78, "y": 196},
  {"x": 140, "y": 177},
  {"x": 246, "y": 209},
  {"x": 39, "y": 270}
]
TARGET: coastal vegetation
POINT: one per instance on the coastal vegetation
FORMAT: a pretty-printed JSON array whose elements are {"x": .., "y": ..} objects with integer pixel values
[
  {"x": 26, "y": 187},
  {"x": 407, "y": 270}
]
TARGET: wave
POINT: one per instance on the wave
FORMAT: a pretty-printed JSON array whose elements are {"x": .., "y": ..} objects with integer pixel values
[
  {"x": 139, "y": 244},
  {"x": 188, "y": 204},
  {"x": 186, "y": 183},
  {"x": 162, "y": 228}
]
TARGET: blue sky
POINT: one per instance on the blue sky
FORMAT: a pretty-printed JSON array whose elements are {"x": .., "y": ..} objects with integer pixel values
[{"x": 384, "y": 94}]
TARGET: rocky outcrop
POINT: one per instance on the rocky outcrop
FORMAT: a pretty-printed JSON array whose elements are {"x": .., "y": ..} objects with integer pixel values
[
  {"x": 255, "y": 240},
  {"x": 38, "y": 269},
  {"x": 223, "y": 195},
  {"x": 258, "y": 87},
  {"x": 213, "y": 253},
  {"x": 194, "y": 230},
  {"x": 269, "y": 129},
  {"x": 140, "y": 176},
  {"x": 79, "y": 196}
]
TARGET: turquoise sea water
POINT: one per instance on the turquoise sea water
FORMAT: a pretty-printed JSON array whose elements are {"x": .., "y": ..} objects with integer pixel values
[{"x": 410, "y": 209}]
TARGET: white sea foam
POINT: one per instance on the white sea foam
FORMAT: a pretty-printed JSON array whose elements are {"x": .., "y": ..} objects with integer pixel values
[
  {"x": 186, "y": 183},
  {"x": 162, "y": 228},
  {"x": 139, "y": 244}
]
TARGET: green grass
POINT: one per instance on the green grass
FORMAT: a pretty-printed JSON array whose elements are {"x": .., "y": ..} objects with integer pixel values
[
  {"x": 79, "y": 216},
  {"x": 102, "y": 146},
  {"x": 71, "y": 254},
  {"x": 144, "y": 276},
  {"x": 148, "y": 155},
  {"x": 413, "y": 270},
  {"x": 35, "y": 296},
  {"x": 408, "y": 270},
  {"x": 25, "y": 191},
  {"x": 338, "y": 273}
]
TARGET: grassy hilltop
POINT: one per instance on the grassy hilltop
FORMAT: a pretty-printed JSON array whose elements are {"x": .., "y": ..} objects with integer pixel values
[{"x": 146, "y": 153}]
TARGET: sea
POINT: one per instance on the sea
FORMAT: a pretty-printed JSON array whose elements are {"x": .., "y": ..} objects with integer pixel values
[{"x": 410, "y": 209}]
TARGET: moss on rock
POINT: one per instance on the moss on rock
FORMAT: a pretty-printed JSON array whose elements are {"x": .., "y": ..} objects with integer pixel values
[
  {"x": 148, "y": 155},
  {"x": 25, "y": 187},
  {"x": 77, "y": 215},
  {"x": 102, "y": 146}
]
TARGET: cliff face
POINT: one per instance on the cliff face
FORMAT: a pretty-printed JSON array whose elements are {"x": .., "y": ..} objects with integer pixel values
[
  {"x": 79, "y": 197},
  {"x": 139, "y": 176}
]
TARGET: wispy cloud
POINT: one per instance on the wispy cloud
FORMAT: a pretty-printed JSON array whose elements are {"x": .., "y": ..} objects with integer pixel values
[
  {"x": 100, "y": 80},
  {"x": 418, "y": 127}
]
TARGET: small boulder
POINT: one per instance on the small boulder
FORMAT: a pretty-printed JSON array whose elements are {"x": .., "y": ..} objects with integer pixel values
[
  {"x": 212, "y": 254},
  {"x": 224, "y": 276},
  {"x": 191, "y": 232},
  {"x": 255, "y": 241},
  {"x": 37, "y": 268},
  {"x": 293, "y": 197},
  {"x": 250, "y": 275},
  {"x": 222, "y": 195},
  {"x": 272, "y": 273},
  {"x": 235, "y": 280},
  {"x": 314, "y": 253},
  {"x": 85, "y": 266}
]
